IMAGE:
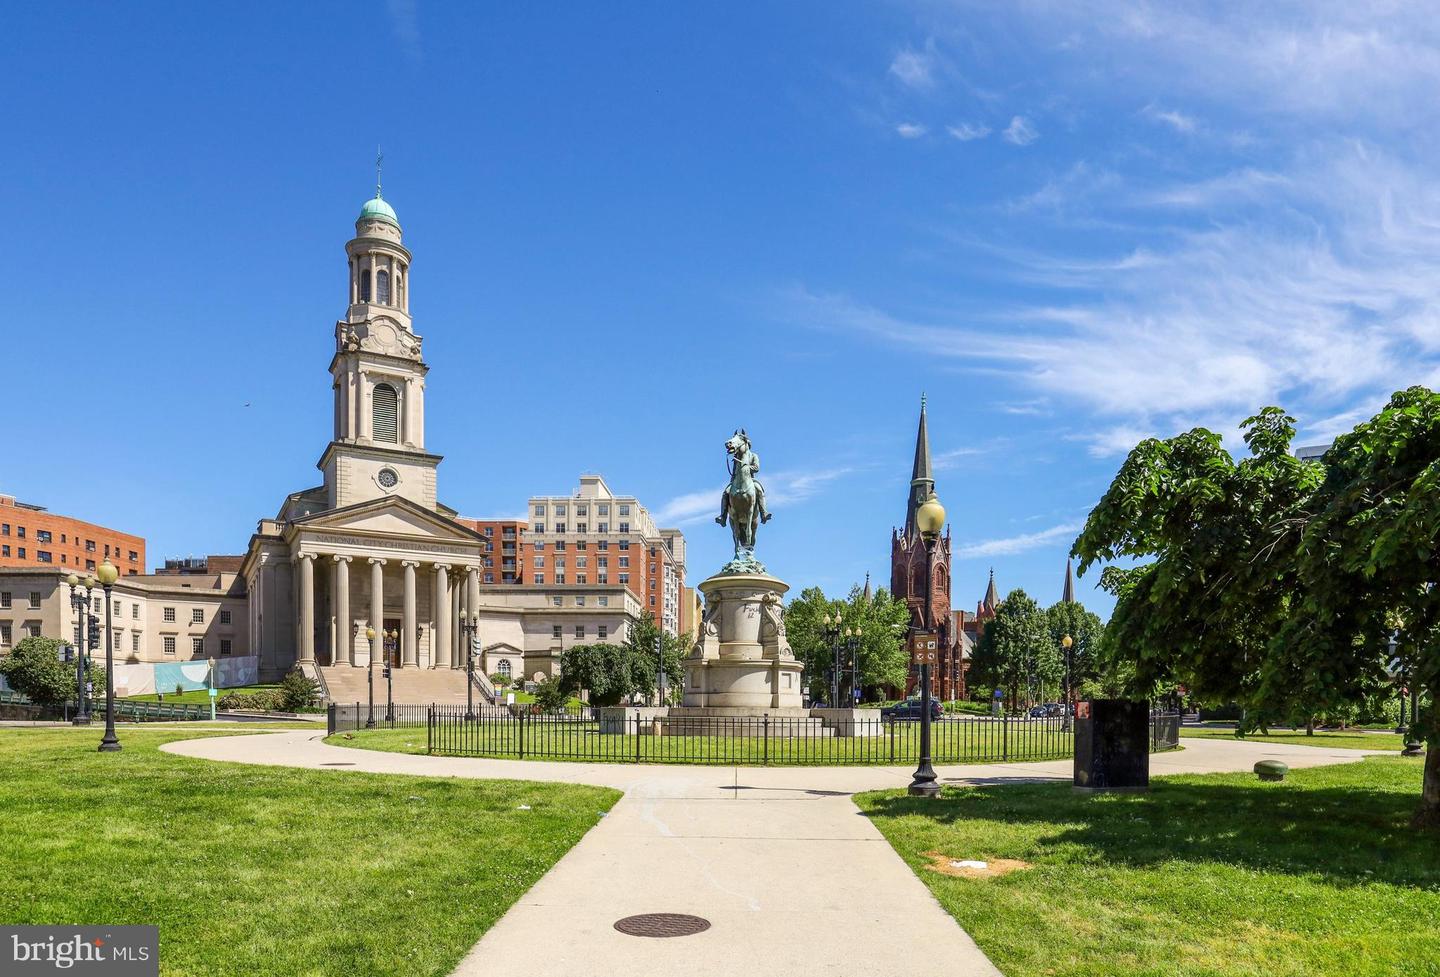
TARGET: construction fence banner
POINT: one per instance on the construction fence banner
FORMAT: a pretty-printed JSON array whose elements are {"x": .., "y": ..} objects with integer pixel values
[{"x": 146, "y": 678}]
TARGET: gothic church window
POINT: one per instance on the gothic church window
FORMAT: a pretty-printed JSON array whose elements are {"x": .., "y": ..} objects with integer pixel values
[{"x": 386, "y": 413}]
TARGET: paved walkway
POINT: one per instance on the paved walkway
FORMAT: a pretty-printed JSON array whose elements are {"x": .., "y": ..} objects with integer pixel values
[{"x": 779, "y": 859}]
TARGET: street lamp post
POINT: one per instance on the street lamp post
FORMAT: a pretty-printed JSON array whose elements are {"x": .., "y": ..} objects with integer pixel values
[
  {"x": 81, "y": 605},
  {"x": 660, "y": 666},
  {"x": 1068, "y": 644},
  {"x": 1413, "y": 746},
  {"x": 370, "y": 681},
  {"x": 470, "y": 626},
  {"x": 852, "y": 645},
  {"x": 930, "y": 518},
  {"x": 832, "y": 635},
  {"x": 1399, "y": 685},
  {"x": 110, "y": 743},
  {"x": 392, "y": 641}
]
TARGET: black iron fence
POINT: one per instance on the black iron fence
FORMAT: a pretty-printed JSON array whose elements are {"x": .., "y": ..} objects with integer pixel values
[
  {"x": 14, "y": 705},
  {"x": 1164, "y": 731},
  {"x": 631, "y": 736}
]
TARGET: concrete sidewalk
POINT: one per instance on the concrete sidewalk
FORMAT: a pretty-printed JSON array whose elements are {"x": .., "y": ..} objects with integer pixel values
[{"x": 792, "y": 878}]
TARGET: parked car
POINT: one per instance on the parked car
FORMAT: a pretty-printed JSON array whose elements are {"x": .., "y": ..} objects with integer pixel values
[
  {"x": 1047, "y": 710},
  {"x": 910, "y": 709}
]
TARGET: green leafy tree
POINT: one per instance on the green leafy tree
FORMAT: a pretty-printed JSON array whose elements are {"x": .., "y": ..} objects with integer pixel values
[
  {"x": 36, "y": 668},
  {"x": 1278, "y": 583},
  {"x": 883, "y": 621},
  {"x": 297, "y": 691},
  {"x": 1086, "y": 632},
  {"x": 1017, "y": 653},
  {"x": 640, "y": 642},
  {"x": 551, "y": 695},
  {"x": 614, "y": 674}
]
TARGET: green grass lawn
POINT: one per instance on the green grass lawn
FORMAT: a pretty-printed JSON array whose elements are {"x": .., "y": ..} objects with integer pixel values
[
  {"x": 252, "y": 870},
  {"x": 1336, "y": 739},
  {"x": 1218, "y": 875},
  {"x": 197, "y": 697},
  {"x": 951, "y": 742}
]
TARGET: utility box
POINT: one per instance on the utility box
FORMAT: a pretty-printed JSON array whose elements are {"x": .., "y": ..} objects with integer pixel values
[{"x": 1112, "y": 745}]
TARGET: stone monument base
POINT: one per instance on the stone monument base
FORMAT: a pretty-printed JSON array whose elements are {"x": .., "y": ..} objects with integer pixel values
[{"x": 741, "y": 659}]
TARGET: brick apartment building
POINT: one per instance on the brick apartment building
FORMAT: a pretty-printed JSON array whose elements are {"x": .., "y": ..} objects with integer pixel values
[{"x": 32, "y": 536}]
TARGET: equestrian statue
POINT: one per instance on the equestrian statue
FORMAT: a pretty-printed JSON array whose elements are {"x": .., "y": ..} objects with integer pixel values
[{"x": 742, "y": 503}]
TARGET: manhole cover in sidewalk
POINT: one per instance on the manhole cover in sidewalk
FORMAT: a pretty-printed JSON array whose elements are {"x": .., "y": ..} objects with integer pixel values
[{"x": 662, "y": 924}]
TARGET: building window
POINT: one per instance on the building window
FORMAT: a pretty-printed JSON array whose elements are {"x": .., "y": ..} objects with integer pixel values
[
  {"x": 602, "y": 509},
  {"x": 169, "y": 615},
  {"x": 20, "y": 531},
  {"x": 382, "y": 287},
  {"x": 557, "y": 601},
  {"x": 624, "y": 578},
  {"x": 134, "y": 612},
  {"x": 604, "y": 527},
  {"x": 602, "y": 561},
  {"x": 35, "y": 600},
  {"x": 624, "y": 510},
  {"x": 539, "y": 562},
  {"x": 135, "y": 641},
  {"x": 624, "y": 527},
  {"x": 4, "y": 529},
  {"x": 224, "y": 617},
  {"x": 624, "y": 562},
  {"x": 581, "y": 527},
  {"x": 539, "y": 578},
  {"x": 89, "y": 564},
  {"x": 22, "y": 552},
  {"x": 602, "y": 577},
  {"x": 559, "y": 510},
  {"x": 385, "y": 413},
  {"x": 42, "y": 536},
  {"x": 539, "y": 528},
  {"x": 579, "y": 601},
  {"x": 197, "y": 615},
  {"x": 652, "y": 600},
  {"x": 560, "y": 578},
  {"x": 197, "y": 647},
  {"x": 5, "y": 633},
  {"x": 365, "y": 285},
  {"x": 97, "y": 605},
  {"x": 5, "y": 550},
  {"x": 489, "y": 578},
  {"x": 133, "y": 556},
  {"x": 169, "y": 644},
  {"x": 624, "y": 544},
  {"x": 559, "y": 544},
  {"x": 504, "y": 667},
  {"x": 603, "y": 544},
  {"x": 539, "y": 512},
  {"x": 225, "y": 646},
  {"x": 44, "y": 556},
  {"x": 581, "y": 561},
  {"x": 559, "y": 527},
  {"x": 89, "y": 545},
  {"x": 652, "y": 585},
  {"x": 34, "y": 630},
  {"x": 4, "y": 598},
  {"x": 580, "y": 578},
  {"x": 579, "y": 630},
  {"x": 602, "y": 632},
  {"x": 555, "y": 631}
]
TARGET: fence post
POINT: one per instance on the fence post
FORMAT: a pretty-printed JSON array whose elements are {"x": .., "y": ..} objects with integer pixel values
[
  {"x": 637, "y": 737},
  {"x": 522, "y": 734},
  {"x": 765, "y": 762},
  {"x": 1004, "y": 735},
  {"x": 892, "y": 740},
  {"x": 430, "y": 730},
  {"x": 330, "y": 720}
]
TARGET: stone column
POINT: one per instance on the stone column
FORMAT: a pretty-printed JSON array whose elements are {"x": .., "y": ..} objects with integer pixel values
[
  {"x": 472, "y": 600},
  {"x": 440, "y": 633},
  {"x": 307, "y": 607},
  {"x": 407, "y": 622},
  {"x": 377, "y": 608},
  {"x": 344, "y": 638}
]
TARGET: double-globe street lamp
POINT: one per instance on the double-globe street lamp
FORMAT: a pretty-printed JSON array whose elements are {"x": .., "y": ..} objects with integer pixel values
[
  {"x": 109, "y": 743},
  {"x": 80, "y": 603},
  {"x": 471, "y": 626},
  {"x": 1068, "y": 643},
  {"x": 1413, "y": 745},
  {"x": 370, "y": 681},
  {"x": 832, "y": 627},
  {"x": 852, "y": 645},
  {"x": 392, "y": 641},
  {"x": 930, "y": 519}
]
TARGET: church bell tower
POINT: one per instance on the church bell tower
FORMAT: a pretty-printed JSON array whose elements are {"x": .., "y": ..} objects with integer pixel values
[{"x": 378, "y": 447}]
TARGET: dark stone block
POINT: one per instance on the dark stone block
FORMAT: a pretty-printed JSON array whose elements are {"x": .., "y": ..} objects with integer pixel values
[{"x": 1112, "y": 745}]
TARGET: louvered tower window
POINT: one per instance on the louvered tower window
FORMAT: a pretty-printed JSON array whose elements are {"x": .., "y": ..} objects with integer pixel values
[
  {"x": 382, "y": 287},
  {"x": 386, "y": 411},
  {"x": 365, "y": 286}
]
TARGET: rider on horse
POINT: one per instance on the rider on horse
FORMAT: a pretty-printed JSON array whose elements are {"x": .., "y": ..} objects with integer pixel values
[{"x": 753, "y": 463}]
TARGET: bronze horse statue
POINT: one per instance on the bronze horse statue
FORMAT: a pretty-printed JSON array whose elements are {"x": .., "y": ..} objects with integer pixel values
[{"x": 742, "y": 503}]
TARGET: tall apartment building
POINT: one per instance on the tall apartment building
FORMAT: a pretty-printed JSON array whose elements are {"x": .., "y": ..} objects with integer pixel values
[
  {"x": 504, "y": 549},
  {"x": 32, "y": 536},
  {"x": 594, "y": 536}
]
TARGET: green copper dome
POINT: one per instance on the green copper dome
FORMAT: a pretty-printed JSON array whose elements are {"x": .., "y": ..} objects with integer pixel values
[{"x": 377, "y": 209}]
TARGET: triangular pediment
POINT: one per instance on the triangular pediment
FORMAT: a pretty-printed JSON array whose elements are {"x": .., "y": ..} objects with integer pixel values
[{"x": 392, "y": 516}]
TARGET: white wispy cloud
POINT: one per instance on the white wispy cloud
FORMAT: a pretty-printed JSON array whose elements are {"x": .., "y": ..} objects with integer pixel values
[
  {"x": 915, "y": 69},
  {"x": 965, "y": 131},
  {"x": 1176, "y": 120},
  {"x": 910, "y": 130},
  {"x": 1010, "y": 545},
  {"x": 1020, "y": 131},
  {"x": 954, "y": 458},
  {"x": 405, "y": 22},
  {"x": 782, "y": 488}
]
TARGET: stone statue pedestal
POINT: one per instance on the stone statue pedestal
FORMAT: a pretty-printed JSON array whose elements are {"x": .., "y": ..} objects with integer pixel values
[{"x": 741, "y": 663}]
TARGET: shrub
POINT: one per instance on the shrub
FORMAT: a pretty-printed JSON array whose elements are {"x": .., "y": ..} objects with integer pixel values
[
  {"x": 296, "y": 691},
  {"x": 551, "y": 695},
  {"x": 34, "y": 668},
  {"x": 263, "y": 701}
]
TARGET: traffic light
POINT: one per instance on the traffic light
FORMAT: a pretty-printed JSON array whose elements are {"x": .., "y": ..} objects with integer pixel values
[
  {"x": 385, "y": 672},
  {"x": 94, "y": 631}
]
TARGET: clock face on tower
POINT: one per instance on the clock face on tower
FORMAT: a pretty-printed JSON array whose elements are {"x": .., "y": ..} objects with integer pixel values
[{"x": 387, "y": 478}]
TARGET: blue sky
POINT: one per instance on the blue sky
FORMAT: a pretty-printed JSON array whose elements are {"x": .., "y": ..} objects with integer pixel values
[{"x": 639, "y": 226}]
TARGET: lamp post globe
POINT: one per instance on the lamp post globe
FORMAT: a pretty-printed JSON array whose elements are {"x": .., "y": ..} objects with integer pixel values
[
  {"x": 370, "y": 681},
  {"x": 930, "y": 520},
  {"x": 110, "y": 743}
]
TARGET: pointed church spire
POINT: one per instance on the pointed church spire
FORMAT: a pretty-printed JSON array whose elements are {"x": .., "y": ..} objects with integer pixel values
[
  {"x": 992, "y": 600},
  {"x": 867, "y": 586},
  {"x": 922, "y": 480},
  {"x": 1067, "y": 596}
]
